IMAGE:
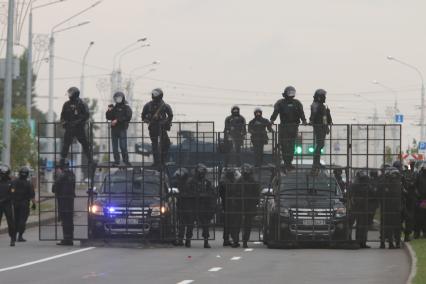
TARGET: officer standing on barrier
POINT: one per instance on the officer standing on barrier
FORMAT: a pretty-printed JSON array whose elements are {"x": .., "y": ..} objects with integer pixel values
[
  {"x": 206, "y": 205},
  {"x": 321, "y": 120},
  {"x": 390, "y": 193},
  {"x": 246, "y": 208},
  {"x": 185, "y": 206},
  {"x": 6, "y": 202},
  {"x": 291, "y": 114},
  {"x": 120, "y": 115},
  {"x": 64, "y": 189},
  {"x": 235, "y": 132},
  {"x": 420, "y": 212},
  {"x": 360, "y": 190},
  {"x": 410, "y": 201},
  {"x": 23, "y": 194},
  {"x": 226, "y": 188},
  {"x": 74, "y": 116},
  {"x": 257, "y": 127},
  {"x": 159, "y": 116}
]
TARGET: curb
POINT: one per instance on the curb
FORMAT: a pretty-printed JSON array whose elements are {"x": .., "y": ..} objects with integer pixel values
[{"x": 413, "y": 262}]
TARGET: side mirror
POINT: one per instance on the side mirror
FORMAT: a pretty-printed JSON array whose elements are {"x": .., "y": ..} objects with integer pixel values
[
  {"x": 266, "y": 191},
  {"x": 173, "y": 190}
]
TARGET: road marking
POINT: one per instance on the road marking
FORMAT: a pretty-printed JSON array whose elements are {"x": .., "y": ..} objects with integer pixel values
[
  {"x": 215, "y": 269},
  {"x": 248, "y": 250},
  {"x": 236, "y": 258},
  {"x": 45, "y": 259},
  {"x": 185, "y": 282}
]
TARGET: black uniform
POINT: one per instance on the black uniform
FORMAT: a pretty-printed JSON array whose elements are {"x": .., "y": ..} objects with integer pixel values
[
  {"x": 74, "y": 116},
  {"x": 321, "y": 121},
  {"x": 291, "y": 114},
  {"x": 64, "y": 189},
  {"x": 409, "y": 202},
  {"x": 420, "y": 211},
  {"x": 185, "y": 206},
  {"x": 245, "y": 203},
  {"x": 23, "y": 193},
  {"x": 360, "y": 191},
  {"x": 373, "y": 198},
  {"x": 6, "y": 207},
  {"x": 123, "y": 114},
  {"x": 390, "y": 202},
  {"x": 259, "y": 137},
  {"x": 227, "y": 185},
  {"x": 159, "y": 115},
  {"x": 235, "y": 131}
]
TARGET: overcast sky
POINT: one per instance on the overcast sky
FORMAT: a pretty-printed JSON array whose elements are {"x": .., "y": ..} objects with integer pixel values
[{"x": 216, "y": 53}]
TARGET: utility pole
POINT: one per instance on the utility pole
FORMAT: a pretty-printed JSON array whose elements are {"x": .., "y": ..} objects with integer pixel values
[
  {"x": 8, "y": 83},
  {"x": 29, "y": 84}
]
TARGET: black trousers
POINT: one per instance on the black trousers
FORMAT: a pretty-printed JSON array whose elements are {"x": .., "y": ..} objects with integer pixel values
[
  {"x": 361, "y": 219},
  {"x": 66, "y": 213},
  {"x": 80, "y": 134},
  {"x": 419, "y": 220},
  {"x": 320, "y": 132},
  {"x": 22, "y": 211},
  {"x": 186, "y": 223},
  {"x": 160, "y": 141},
  {"x": 242, "y": 220},
  {"x": 226, "y": 220},
  {"x": 234, "y": 153},
  {"x": 287, "y": 136},
  {"x": 6, "y": 208},
  {"x": 258, "y": 148},
  {"x": 119, "y": 137}
]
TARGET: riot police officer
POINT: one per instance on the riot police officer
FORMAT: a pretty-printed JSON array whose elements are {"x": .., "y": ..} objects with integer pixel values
[
  {"x": 360, "y": 190},
  {"x": 159, "y": 116},
  {"x": 420, "y": 211},
  {"x": 235, "y": 132},
  {"x": 120, "y": 115},
  {"x": 373, "y": 198},
  {"x": 259, "y": 137},
  {"x": 245, "y": 204},
  {"x": 321, "y": 120},
  {"x": 74, "y": 116},
  {"x": 390, "y": 202},
  {"x": 291, "y": 114},
  {"x": 6, "y": 202},
  {"x": 23, "y": 194},
  {"x": 409, "y": 201},
  {"x": 226, "y": 188},
  {"x": 185, "y": 204},
  {"x": 64, "y": 189}
]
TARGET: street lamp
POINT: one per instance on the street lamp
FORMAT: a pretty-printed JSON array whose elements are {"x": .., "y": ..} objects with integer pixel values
[
  {"x": 125, "y": 49},
  {"x": 422, "y": 103},
  {"x": 83, "y": 64},
  {"x": 155, "y": 62},
  {"x": 120, "y": 58}
]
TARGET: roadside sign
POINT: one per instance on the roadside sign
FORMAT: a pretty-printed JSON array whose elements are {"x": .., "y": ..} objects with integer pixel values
[
  {"x": 399, "y": 118},
  {"x": 422, "y": 145}
]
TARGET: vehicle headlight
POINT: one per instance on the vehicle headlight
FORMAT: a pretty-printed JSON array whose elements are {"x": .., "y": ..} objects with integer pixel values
[
  {"x": 340, "y": 211},
  {"x": 96, "y": 209},
  {"x": 158, "y": 210},
  {"x": 284, "y": 212}
]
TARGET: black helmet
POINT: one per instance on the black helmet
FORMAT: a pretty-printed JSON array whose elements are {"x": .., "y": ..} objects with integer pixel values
[
  {"x": 320, "y": 95},
  {"x": 4, "y": 172},
  {"x": 289, "y": 92},
  {"x": 337, "y": 172},
  {"x": 258, "y": 110},
  {"x": 24, "y": 172},
  {"x": 246, "y": 169},
  {"x": 157, "y": 94},
  {"x": 392, "y": 172},
  {"x": 374, "y": 173},
  {"x": 397, "y": 164},
  {"x": 362, "y": 175},
  {"x": 235, "y": 110},
  {"x": 181, "y": 173},
  {"x": 119, "y": 97},
  {"x": 201, "y": 170},
  {"x": 229, "y": 173},
  {"x": 73, "y": 93}
]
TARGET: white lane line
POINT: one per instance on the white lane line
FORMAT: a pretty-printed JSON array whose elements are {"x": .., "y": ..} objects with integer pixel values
[
  {"x": 247, "y": 250},
  {"x": 215, "y": 269},
  {"x": 45, "y": 259},
  {"x": 236, "y": 258},
  {"x": 185, "y": 282}
]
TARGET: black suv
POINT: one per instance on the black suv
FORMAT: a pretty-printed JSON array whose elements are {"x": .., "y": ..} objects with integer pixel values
[
  {"x": 304, "y": 207},
  {"x": 133, "y": 202}
]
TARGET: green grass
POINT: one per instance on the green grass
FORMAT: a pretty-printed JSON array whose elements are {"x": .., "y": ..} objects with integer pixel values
[{"x": 419, "y": 247}]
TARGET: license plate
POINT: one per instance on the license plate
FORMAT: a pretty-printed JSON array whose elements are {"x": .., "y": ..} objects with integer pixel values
[
  {"x": 311, "y": 222},
  {"x": 123, "y": 221}
]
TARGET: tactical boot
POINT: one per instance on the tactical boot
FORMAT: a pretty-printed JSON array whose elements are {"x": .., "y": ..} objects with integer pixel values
[
  {"x": 407, "y": 238},
  {"x": 245, "y": 245},
  {"x": 12, "y": 243},
  {"x": 206, "y": 244},
  {"x": 227, "y": 243},
  {"x": 391, "y": 246},
  {"x": 188, "y": 243},
  {"x": 21, "y": 239},
  {"x": 235, "y": 245},
  {"x": 382, "y": 245},
  {"x": 179, "y": 243},
  {"x": 65, "y": 243}
]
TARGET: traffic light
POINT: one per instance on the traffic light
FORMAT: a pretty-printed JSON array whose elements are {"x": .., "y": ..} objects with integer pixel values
[
  {"x": 298, "y": 150},
  {"x": 311, "y": 150}
]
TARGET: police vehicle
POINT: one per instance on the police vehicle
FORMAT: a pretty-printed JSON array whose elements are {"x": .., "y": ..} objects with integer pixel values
[
  {"x": 133, "y": 201},
  {"x": 301, "y": 207}
]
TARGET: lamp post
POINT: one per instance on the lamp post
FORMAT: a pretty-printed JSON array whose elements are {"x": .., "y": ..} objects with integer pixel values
[
  {"x": 120, "y": 58},
  {"x": 422, "y": 96}
]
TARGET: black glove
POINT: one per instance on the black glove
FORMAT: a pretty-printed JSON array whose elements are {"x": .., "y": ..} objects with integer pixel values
[{"x": 33, "y": 207}]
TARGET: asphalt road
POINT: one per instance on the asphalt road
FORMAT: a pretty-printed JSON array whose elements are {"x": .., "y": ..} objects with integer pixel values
[{"x": 43, "y": 263}]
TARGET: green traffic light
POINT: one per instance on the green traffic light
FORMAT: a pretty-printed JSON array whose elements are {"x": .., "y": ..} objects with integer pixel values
[
  {"x": 298, "y": 150},
  {"x": 311, "y": 149}
]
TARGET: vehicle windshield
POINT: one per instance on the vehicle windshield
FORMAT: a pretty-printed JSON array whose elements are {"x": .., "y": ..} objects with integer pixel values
[
  {"x": 302, "y": 184},
  {"x": 129, "y": 183}
]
